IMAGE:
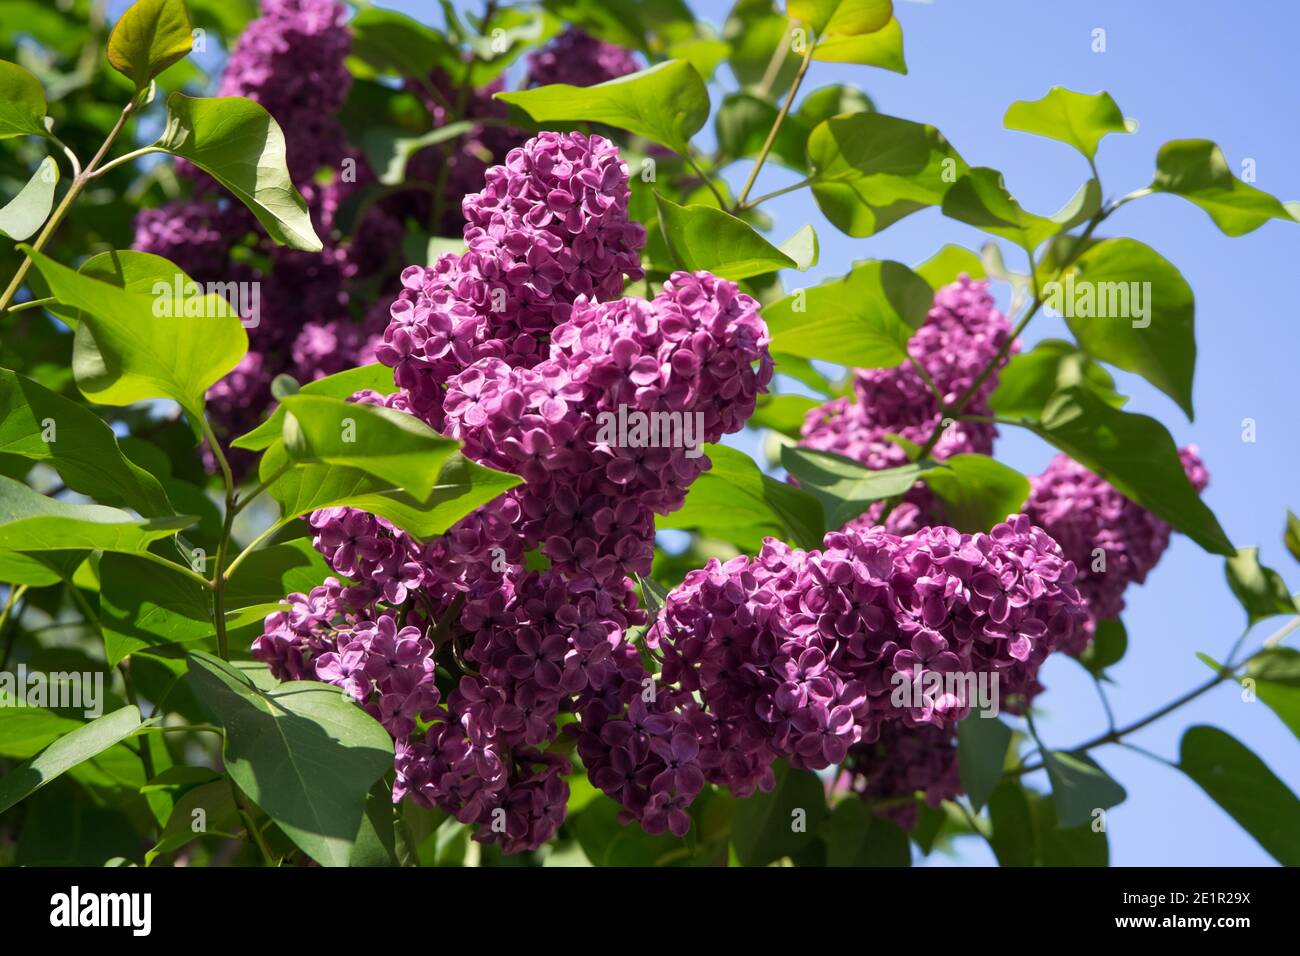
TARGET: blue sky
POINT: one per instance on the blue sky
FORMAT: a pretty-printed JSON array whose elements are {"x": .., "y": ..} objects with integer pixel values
[{"x": 1181, "y": 71}]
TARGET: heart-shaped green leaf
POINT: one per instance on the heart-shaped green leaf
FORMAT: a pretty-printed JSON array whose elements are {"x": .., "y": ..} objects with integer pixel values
[
  {"x": 871, "y": 170},
  {"x": 1197, "y": 170},
  {"x": 863, "y": 319},
  {"x": 31, "y": 522},
  {"x": 704, "y": 237},
  {"x": 1080, "y": 119},
  {"x": 391, "y": 445},
  {"x": 240, "y": 145},
  {"x": 22, "y": 102},
  {"x": 133, "y": 347},
  {"x": 149, "y": 37},
  {"x": 27, "y": 212},
  {"x": 40, "y": 425},
  {"x": 301, "y": 751},
  {"x": 666, "y": 103}
]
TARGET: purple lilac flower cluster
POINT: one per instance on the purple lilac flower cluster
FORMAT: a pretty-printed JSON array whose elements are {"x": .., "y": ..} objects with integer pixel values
[
  {"x": 590, "y": 503},
  {"x": 549, "y": 225},
  {"x": 801, "y": 655},
  {"x": 578, "y": 59},
  {"x": 903, "y": 761},
  {"x": 1113, "y": 541},
  {"x": 514, "y": 348},
  {"x": 961, "y": 335},
  {"x": 290, "y": 60}
]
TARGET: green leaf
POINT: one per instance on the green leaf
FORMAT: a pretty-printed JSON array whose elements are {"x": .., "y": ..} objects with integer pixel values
[
  {"x": 301, "y": 751},
  {"x": 883, "y": 49},
  {"x": 87, "y": 741},
  {"x": 31, "y": 522},
  {"x": 268, "y": 574},
  {"x": 1134, "y": 453},
  {"x": 608, "y": 842},
  {"x": 1029, "y": 380},
  {"x": 148, "y": 38},
  {"x": 19, "y": 569},
  {"x": 26, "y": 731},
  {"x": 736, "y": 502},
  {"x": 1246, "y": 788},
  {"x": 982, "y": 744},
  {"x": 1080, "y": 787},
  {"x": 27, "y": 212},
  {"x": 666, "y": 103},
  {"x": 1060, "y": 846},
  {"x": 390, "y": 41},
  {"x": 844, "y": 487},
  {"x": 743, "y": 122},
  {"x": 22, "y": 102},
  {"x": 461, "y": 487},
  {"x": 141, "y": 608},
  {"x": 1083, "y": 205},
  {"x": 39, "y": 425},
  {"x": 376, "y": 841},
  {"x": 345, "y": 384},
  {"x": 1129, "y": 306},
  {"x": 1080, "y": 119},
  {"x": 389, "y": 150},
  {"x": 1107, "y": 647},
  {"x": 1276, "y": 673},
  {"x": 219, "y": 818},
  {"x": 125, "y": 352},
  {"x": 781, "y": 822},
  {"x": 976, "y": 491},
  {"x": 391, "y": 445},
  {"x": 1291, "y": 537},
  {"x": 863, "y": 319},
  {"x": 948, "y": 265},
  {"x": 803, "y": 248},
  {"x": 1013, "y": 839},
  {"x": 702, "y": 237},
  {"x": 756, "y": 30},
  {"x": 871, "y": 170},
  {"x": 980, "y": 199},
  {"x": 855, "y": 837},
  {"x": 1260, "y": 589},
  {"x": 827, "y": 101},
  {"x": 1197, "y": 170},
  {"x": 782, "y": 413},
  {"x": 240, "y": 145},
  {"x": 841, "y": 17}
]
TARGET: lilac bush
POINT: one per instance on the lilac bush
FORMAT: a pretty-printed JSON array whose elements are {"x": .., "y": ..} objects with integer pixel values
[{"x": 478, "y": 368}]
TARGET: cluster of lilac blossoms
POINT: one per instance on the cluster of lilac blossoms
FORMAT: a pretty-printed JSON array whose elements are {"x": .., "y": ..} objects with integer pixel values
[
  {"x": 1113, "y": 541},
  {"x": 578, "y": 59},
  {"x": 1110, "y": 540},
  {"x": 517, "y": 346},
  {"x": 962, "y": 333},
  {"x": 291, "y": 60},
  {"x": 800, "y": 654}
]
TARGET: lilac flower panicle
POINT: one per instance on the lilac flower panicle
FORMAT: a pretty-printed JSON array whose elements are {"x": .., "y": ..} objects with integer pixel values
[
  {"x": 962, "y": 333},
  {"x": 1094, "y": 523},
  {"x": 578, "y": 59},
  {"x": 796, "y": 654}
]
